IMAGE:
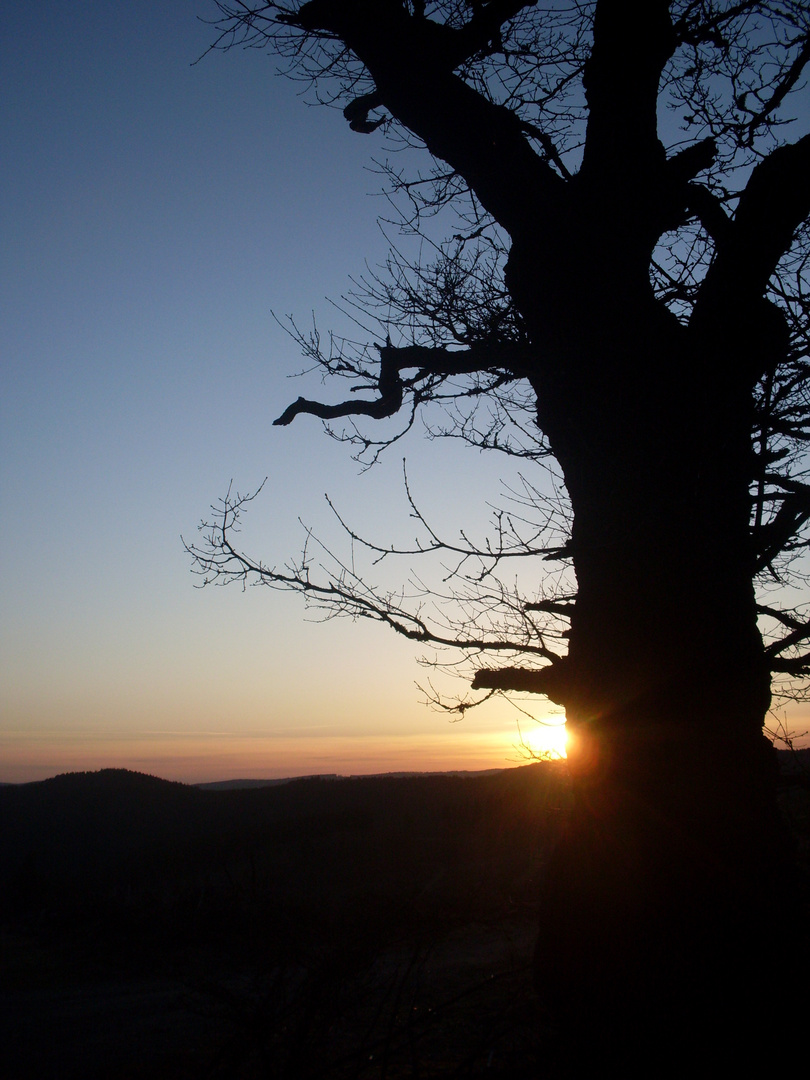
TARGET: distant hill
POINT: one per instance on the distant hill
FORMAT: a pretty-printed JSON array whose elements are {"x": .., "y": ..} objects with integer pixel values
[
  {"x": 162, "y": 929},
  {"x": 232, "y": 785},
  {"x": 120, "y": 838},
  {"x": 155, "y": 928},
  {"x": 794, "y": 762}
]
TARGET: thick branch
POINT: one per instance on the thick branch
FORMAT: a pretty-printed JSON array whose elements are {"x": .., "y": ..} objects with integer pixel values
[
  {"x": 797, "y": 666},
  {"x": 411, "y": 61},
  {"x": 428, "y": 361},
  {"x": 775, "y": 201},
  {"x": 709, "y": 211},
  {"x": 685, "y": 165},
  {"x": 774, "y": 537},
  {"x": 786, "y": 618},
  {"x": 795, "y": 637},
  {"x": 787, "y": 483},
  {"x": 451, "y": 46},
  {"x": 356, "y": 112},
  {"x": 378, "y": 410},
  {"x": 563, "y": 607},
  {"x": 482, "y": 34},
  {"x": 621, "y": 86},
  {"x": 545, "y": 680}
]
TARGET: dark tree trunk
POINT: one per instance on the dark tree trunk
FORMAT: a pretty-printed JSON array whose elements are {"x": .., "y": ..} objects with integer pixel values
[{"x": 656, "y": 934}]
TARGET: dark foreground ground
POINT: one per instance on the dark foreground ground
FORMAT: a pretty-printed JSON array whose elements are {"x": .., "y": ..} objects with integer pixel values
[{"x": 371, "y": 928}]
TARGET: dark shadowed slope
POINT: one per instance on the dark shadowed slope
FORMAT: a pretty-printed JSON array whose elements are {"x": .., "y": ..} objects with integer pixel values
[{"x": 176, "y": 931}]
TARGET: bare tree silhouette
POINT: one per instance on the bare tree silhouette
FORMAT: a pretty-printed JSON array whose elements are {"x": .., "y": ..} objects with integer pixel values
[{"x": 624, "y": 286}]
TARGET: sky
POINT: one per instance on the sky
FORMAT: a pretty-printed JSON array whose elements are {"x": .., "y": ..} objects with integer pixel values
[{"x": 154, "y": 214}]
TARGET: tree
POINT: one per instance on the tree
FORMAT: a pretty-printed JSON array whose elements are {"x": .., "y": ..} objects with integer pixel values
[{"x": 627, "y": 271}]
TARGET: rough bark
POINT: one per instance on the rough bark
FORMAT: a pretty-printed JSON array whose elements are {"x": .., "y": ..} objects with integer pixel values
[
  {"x": 675, "y": 852},
  {"x": 656, "y": 902}
]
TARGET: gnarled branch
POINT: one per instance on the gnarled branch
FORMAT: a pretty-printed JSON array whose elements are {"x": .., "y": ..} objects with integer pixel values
[{"x": 428, "y": 361}]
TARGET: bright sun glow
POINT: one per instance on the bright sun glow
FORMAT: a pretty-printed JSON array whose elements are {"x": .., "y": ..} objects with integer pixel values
[{"x": 544, "y": 740}]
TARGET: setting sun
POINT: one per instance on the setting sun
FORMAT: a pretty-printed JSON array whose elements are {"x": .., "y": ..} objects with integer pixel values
[{"x": 544, "y": 739}]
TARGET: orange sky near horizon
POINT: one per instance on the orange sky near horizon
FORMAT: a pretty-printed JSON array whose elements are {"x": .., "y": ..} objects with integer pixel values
[
  {"x": 203, "y": 757},
  {"x": 199, "y": 757}
]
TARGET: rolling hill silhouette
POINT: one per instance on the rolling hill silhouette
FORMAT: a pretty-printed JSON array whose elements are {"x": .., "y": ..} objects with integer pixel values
[
  {"x": 307, "y": 928},
  {"x": 137, "y": 906}
]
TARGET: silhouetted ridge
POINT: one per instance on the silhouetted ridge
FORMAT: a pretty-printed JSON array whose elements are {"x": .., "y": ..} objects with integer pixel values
[
  {"x": 117, "y": 777},
  {"x": 279, "y": 917},
  {"x": 129, "y": 839}
]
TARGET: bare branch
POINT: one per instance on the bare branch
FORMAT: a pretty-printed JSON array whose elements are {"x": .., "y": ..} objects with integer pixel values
[{"x": 341, "y": 591}]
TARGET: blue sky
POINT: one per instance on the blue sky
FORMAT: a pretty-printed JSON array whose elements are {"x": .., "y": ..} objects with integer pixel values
[{"x": 154, "y": 214}]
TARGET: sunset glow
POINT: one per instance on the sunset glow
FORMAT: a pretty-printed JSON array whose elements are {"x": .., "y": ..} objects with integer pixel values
[
  {"x": 197, "y": 757},
  {"x": 547, "y": 739}
]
